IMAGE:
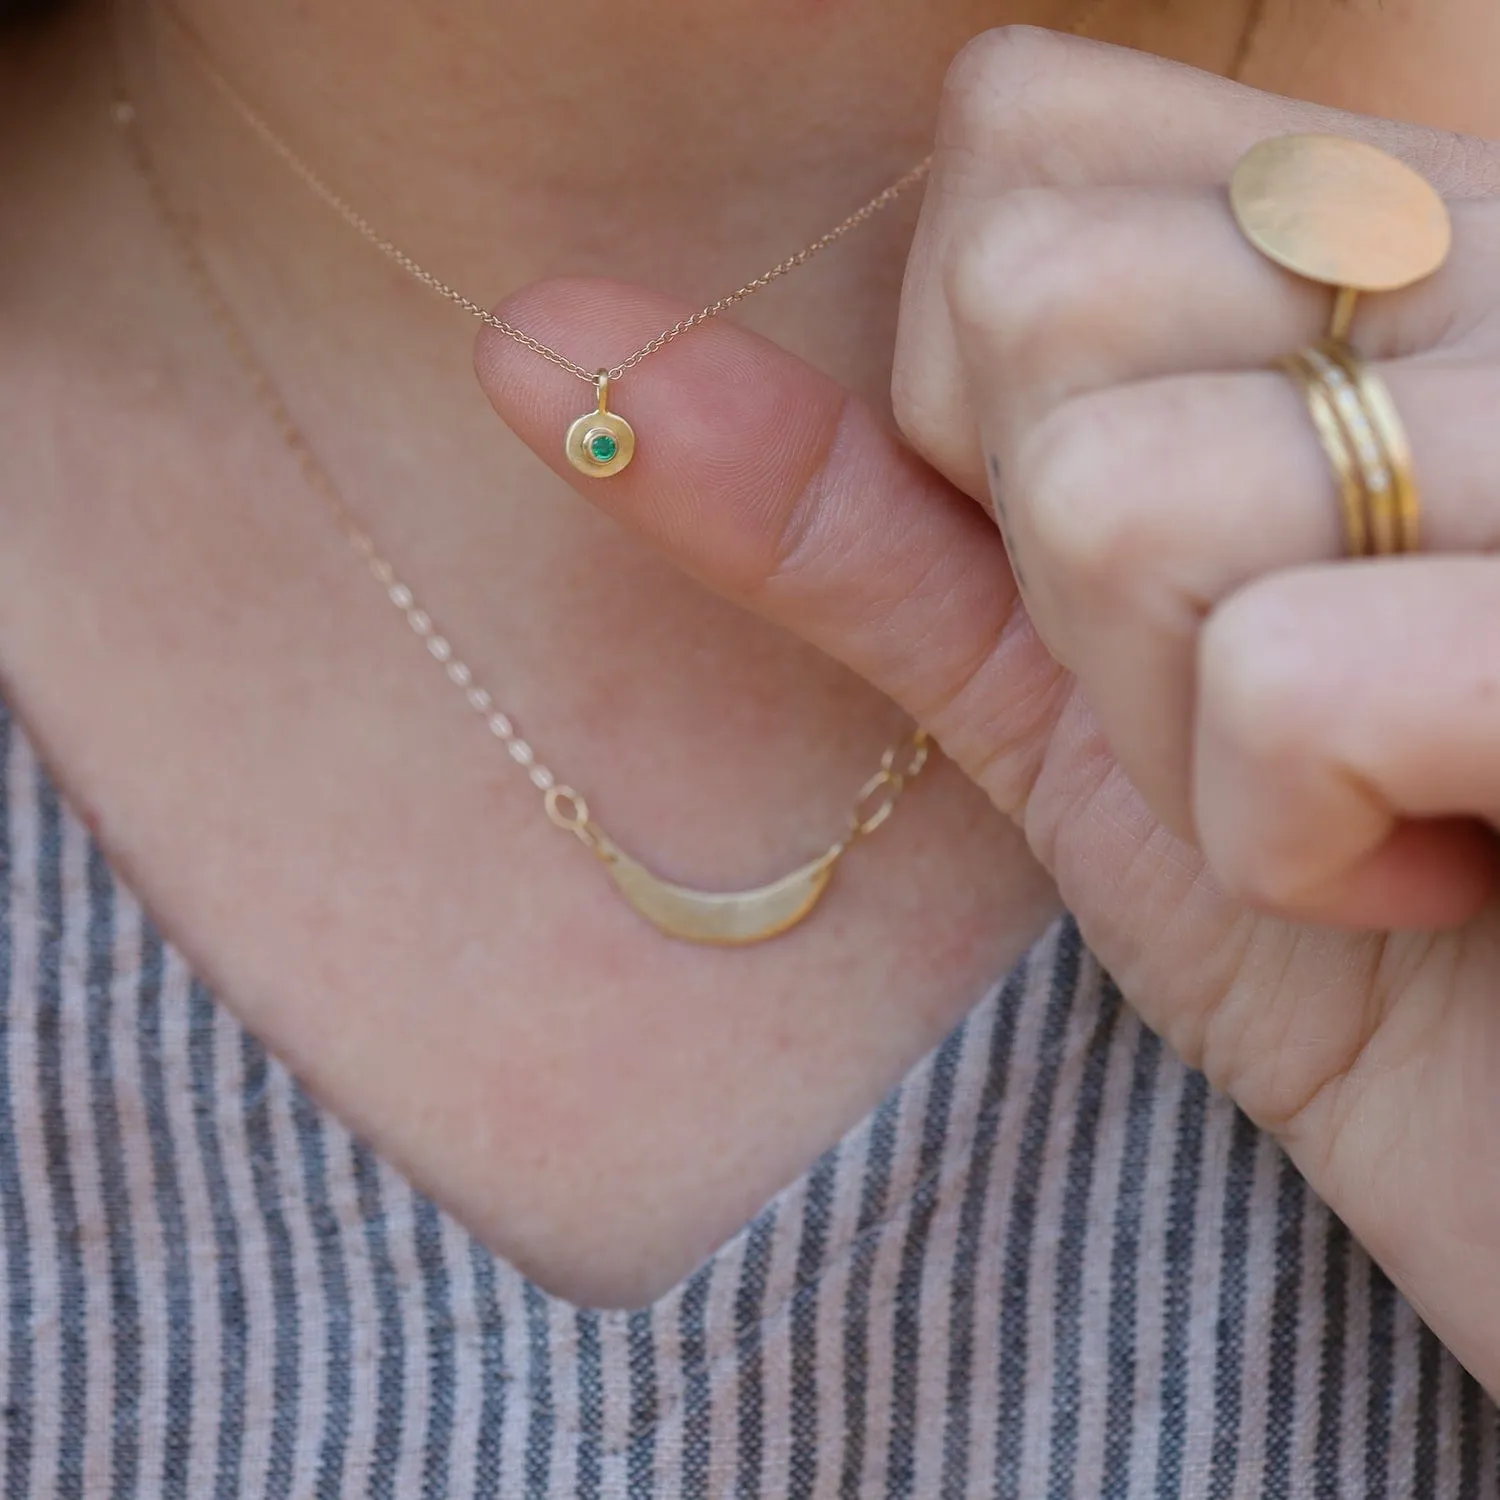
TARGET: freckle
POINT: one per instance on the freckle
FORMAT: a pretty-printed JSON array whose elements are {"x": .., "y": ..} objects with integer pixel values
[{"x": 994, "y": 467}]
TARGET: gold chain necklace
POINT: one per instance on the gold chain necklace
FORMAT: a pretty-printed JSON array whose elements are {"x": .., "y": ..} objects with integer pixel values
[
  {"x": 729, "y": 918},
  {"x": 599, "y": 443}
]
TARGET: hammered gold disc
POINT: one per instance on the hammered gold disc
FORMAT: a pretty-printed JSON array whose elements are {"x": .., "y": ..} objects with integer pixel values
[{"x": 1340, "y": 212}]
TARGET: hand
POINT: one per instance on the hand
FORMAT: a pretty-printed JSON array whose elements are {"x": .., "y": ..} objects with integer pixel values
[{"x": 1214, "y": 733}]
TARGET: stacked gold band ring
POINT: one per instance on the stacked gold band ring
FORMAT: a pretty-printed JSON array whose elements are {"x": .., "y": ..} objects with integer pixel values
[
  {"x": 1347, "y": 215},
  {"x": 1366, "y": 445}
]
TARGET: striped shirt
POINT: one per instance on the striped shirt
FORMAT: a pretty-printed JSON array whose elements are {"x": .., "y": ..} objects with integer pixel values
[{"x": 1052, "y": 1264}]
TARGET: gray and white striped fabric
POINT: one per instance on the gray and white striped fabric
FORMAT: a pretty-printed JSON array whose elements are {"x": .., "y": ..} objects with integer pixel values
[{"x": 1051, "y": 1264}]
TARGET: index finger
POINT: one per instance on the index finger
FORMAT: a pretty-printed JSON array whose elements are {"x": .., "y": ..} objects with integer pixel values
[{"x": 1030, "y": 108}]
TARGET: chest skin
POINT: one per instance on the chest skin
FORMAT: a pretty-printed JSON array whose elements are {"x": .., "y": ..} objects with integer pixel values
[
  {"x": 320, "y": 824},
  {"x": 317, "y": 820}
]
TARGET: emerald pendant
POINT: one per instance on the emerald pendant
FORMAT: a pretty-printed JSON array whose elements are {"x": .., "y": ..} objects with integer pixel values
[{"x": 600, "y": 442}]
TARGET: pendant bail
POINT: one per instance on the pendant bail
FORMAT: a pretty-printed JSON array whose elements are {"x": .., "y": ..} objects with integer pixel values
[{"x": 600, "y": 442}]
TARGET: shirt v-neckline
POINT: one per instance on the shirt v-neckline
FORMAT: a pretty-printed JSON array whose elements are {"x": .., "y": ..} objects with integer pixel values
[{"x": 870, "y": 1176}]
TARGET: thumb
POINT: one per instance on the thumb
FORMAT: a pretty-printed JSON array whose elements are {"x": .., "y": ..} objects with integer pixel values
[{"x": 771, "y": 485}]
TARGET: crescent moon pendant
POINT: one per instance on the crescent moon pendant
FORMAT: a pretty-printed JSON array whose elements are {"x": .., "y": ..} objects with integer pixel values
[{"x": 727, "y": 918}]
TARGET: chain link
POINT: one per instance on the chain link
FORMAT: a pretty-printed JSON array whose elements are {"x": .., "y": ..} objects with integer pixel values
[{"x": 878, "y": 797}]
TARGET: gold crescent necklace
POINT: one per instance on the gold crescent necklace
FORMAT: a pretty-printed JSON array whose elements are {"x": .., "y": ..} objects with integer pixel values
[{"x": 600, "y": 442}]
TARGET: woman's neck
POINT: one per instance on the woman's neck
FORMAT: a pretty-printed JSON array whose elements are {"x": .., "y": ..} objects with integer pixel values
[
  {"x": 580, "y": 135},
  {"x": 567, "y": 128}
]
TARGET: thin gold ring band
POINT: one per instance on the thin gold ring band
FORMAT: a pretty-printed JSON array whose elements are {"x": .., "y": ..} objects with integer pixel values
[
  {"x": 1366, "y": 444},
  {"x": 1375, "y": 398},
  {"x": 1331, "y": 434}
]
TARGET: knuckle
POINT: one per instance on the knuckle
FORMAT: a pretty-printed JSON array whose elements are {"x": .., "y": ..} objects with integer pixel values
[
  {"x": 992, "y": 707},
  {"x": 1085, "y": 527},
  {"x": 792, "y": 530},
  {"x": 1020, "y": 270},
  {"x": 1264, "y": 703},
  {"x": 806, "y": 538},
  {"x": 1018, "y": 279},
  {"x": 997, "y": 88},
  {"x": 1261, "y": 690}
]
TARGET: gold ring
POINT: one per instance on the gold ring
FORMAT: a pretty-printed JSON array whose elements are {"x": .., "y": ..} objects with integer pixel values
[
  {"x": 1331, "y": 434},
  {"x": 1363, "y": 436},
  {"x": 1348, "y": 216},
  {"x": 1342, "y": 213}
]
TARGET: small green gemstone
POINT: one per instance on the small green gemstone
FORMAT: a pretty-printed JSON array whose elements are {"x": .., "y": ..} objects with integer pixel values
[{"x": 602, "y": 447}]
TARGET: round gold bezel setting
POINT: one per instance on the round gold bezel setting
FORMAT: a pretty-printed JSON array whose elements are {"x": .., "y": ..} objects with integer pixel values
[{"x": 593, "y": 434}]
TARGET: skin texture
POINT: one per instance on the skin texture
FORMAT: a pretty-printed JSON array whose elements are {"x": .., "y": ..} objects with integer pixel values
[
  {"x": 308, "y": 808},
  {"x": 1217, "y": 739}
]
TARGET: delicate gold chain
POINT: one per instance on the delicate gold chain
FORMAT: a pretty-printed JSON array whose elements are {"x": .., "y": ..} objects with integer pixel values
[
  {"x": 413, "y": 268},
  {"x": 566, "y": 807},
  {"x": 357, "y": 221}
]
